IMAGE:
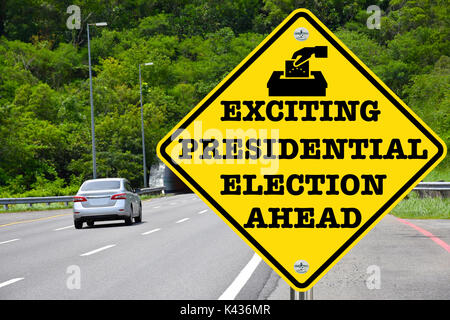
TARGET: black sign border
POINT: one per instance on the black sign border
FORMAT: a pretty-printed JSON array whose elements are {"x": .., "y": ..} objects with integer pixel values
[{"x": 362, "y": 70}]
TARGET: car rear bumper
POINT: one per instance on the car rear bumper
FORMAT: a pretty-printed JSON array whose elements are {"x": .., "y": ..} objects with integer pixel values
[{"x": 117, "y": 212}]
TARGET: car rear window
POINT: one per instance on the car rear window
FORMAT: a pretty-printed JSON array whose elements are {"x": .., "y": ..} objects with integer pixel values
[{"x": 100, "y": 185}]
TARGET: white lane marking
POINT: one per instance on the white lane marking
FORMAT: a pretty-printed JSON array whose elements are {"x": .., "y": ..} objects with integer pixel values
[
  {"x": 182, "y": 220},
  {"x": 203, "y": 211},
  {"x": 242, "y": 278},
  {"x": 97, "y": 250},
  {"x": 151, "y": 231},
  {"x": 8, "y": 241},
  {"x": 156, "y": 207},
  {"x": 62, "y": 228},
  {"x": 4, "y": 284}
]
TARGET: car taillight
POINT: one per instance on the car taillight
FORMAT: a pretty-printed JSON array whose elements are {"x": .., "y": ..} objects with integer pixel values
[
  {"x": 119, "y": 196},
  {"x": 79, "y": 199}
]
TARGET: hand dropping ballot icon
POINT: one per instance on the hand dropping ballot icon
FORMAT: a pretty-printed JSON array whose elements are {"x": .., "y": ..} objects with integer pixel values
[
  {"x": 301, "y": 150},
  {"x": 296, "y": 80}
]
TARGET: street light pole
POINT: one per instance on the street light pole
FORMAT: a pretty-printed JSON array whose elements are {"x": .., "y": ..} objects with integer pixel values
[
  {"x": 144, "y": 162},
  {"x": 94, "y": 162}
]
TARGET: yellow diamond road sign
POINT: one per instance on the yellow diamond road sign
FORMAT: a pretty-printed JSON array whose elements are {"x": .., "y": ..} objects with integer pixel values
[{"x": 301, "y": 149}]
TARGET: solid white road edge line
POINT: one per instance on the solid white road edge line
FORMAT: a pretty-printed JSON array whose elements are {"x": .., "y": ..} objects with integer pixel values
[
  {"x": 4, "y": 284},
  {"x": 8, "y": 241},
  {"x": 182, "y": 220},
  {"x": 151, "y": 231},
  {"x": 242, "y": 278},
  {"x": 97, "y": 250}
]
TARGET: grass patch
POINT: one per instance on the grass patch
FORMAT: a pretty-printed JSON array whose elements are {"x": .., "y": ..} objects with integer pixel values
[
  {"x": 440, "y": 173},
  {"x": 415, "y": 207},
  {"x": 151, "y": 196}
]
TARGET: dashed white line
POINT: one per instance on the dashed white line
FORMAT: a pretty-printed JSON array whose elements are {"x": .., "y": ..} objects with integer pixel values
[
  {"x": 203, "y": 211},
  {"x": 97, "y": 250},
  {"x": 8, "y": 241},
  {"x": 62, "y": 228},
  {"x": 242, "y": 278},
  {"x": 151, "y": 231},
  {"x": 6, "y": 283},
  {"x": 156, "y": 207},
  {"x": 182, "y": 220}
]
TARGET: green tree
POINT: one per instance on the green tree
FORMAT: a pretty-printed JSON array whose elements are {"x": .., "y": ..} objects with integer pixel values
[{"x": 429, "y": 97}]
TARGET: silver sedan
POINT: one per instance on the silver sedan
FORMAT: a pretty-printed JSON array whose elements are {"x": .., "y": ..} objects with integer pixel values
[{"x": 106, "y": 199}]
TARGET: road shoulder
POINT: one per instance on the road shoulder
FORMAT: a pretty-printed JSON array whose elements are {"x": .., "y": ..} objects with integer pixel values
[{"x": 393, "y": 261}]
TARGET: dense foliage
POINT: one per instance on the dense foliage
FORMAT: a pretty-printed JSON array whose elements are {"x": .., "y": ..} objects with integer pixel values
[{"x": 44, "y": 84}]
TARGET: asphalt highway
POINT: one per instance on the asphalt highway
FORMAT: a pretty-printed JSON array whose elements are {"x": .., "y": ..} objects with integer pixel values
[{"x": 182, "y": 250}]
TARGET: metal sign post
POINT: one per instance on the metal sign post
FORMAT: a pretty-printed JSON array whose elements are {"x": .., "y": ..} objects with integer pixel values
[{"x": 296, "y": 295}]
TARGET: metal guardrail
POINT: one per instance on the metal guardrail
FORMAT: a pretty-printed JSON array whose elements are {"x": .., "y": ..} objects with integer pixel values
[
  {"x": 151, "y": 190},
  {"x": 6, "y": 202},
  {"x": 433, "y": 186},
  {"x": 10, "y": 201},
  {"x": 433, "y": 189}
]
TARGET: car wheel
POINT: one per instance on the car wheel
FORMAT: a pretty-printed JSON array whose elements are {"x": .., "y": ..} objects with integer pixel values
[
  {"x": 129, "y": 220},
  {"x": 90, "y": 223},
  {"x": 139, "y": 217},
  {"x": 78, "y": 224}
]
